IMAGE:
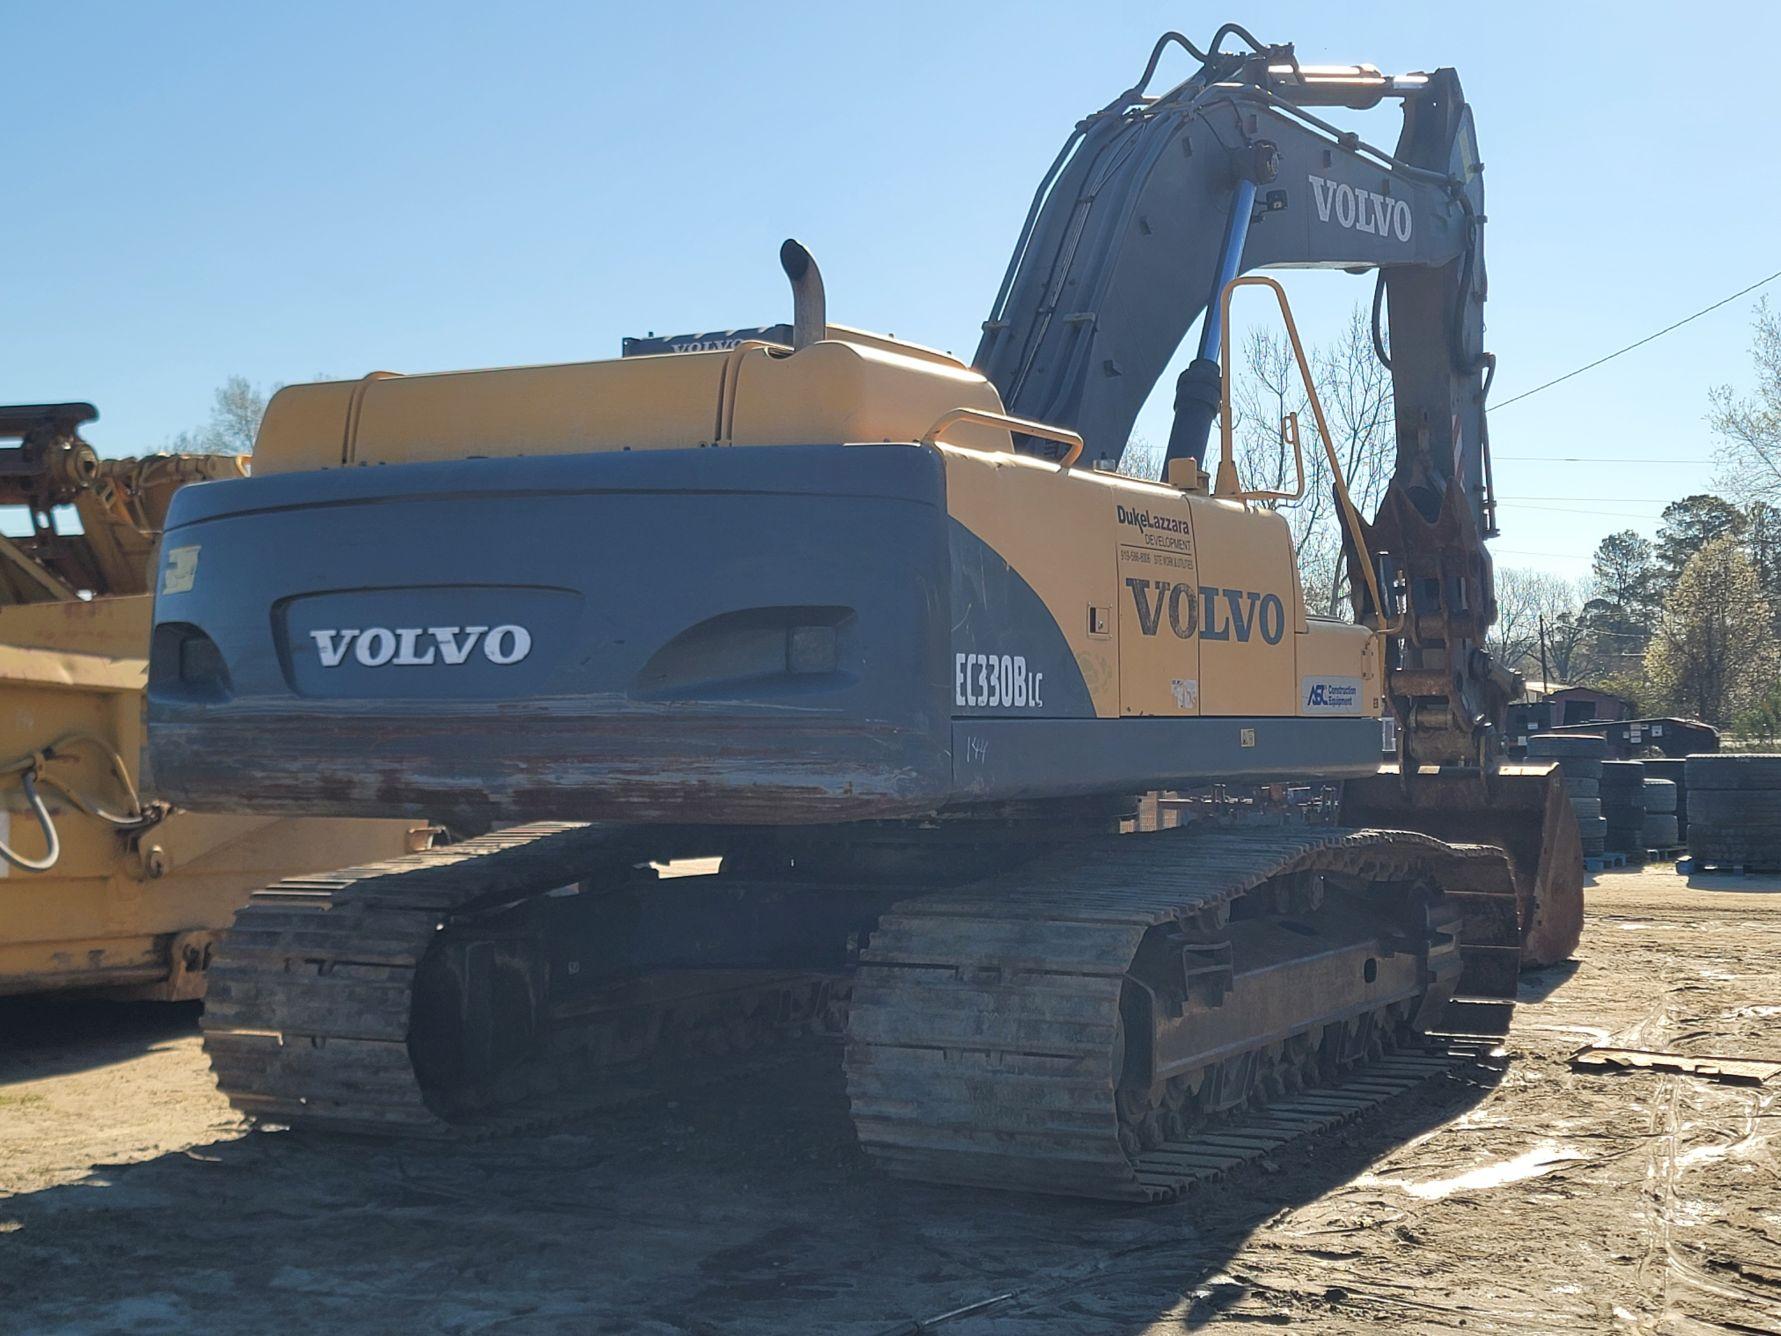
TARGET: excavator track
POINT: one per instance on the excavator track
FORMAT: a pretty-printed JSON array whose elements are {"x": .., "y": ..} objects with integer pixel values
[
  {"x": 986, "y": 1024},
  {"x": 313, "y": 995},
  {"x": 987, "y": 1034}
]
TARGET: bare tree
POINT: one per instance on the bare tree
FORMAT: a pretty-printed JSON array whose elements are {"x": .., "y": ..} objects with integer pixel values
[
  {"x": 235, "y": 414},
  {"x": 1524, "y": 597},
  {"x": 1762, "y": 539},
  {"x": 1355, "y": 389},
  {"x": 1142, "y": 458},
  {"x": 1566, "y": 635},
  {"x": 1749, "y": 428}
]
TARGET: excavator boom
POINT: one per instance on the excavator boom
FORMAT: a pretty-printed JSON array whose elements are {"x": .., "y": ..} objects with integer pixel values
[{"x": 1154, "y": 205}]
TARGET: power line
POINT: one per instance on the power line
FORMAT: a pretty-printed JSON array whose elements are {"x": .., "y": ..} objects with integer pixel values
[
  {"x": 1642, "y": 342},
  {"x": 1557, "y": 556},
  {"x": 1574, "y": 510},
  {"x": 1610, "y": 507},
  {"x": 1608, "y": 502}
]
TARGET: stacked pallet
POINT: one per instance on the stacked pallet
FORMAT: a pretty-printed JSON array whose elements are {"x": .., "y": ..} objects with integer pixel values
[
  {"x": 1734, "y": 811},
  {"x": 1580, "y": 757}
]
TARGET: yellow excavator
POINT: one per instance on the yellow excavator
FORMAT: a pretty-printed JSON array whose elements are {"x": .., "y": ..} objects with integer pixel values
[
  {"x": 892, "y": 637},
  {"x": 104, "y": 888}
]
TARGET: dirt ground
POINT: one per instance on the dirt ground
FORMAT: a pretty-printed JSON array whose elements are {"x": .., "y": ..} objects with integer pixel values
[{"x": 133, "y": 1200}]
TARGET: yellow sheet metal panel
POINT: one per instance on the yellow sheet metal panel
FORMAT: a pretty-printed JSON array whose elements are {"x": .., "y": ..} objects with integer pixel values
[
  {"x": 116, "y": 627},
  {"x": 304, "y": 427},
  {"x": 1173, "y": 604},
  {"x": 99, "y": 919},
  {"x": 1159, "y": 602},
  {"x": 1339, "y": 670},
  {"x": 72, "y": 670},
  {"x": 865, "y": 338},
  {"x": 833, "y": 391},
  {"x": 32, "y": 718},
  {"x": 643, "y": 403},
  {"x": 847, "y": 392},
  {"x": 1248, "y": 610},
  {"x": 640, "y": 403},
  {"x": 1026, "y": 510}
]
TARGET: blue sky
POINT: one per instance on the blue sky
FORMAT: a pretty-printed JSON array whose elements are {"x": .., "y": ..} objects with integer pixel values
[{"x": 282, "y": 191}]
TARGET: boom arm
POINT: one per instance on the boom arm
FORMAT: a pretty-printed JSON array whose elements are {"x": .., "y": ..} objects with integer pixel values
[
  {"x": 1156, "y": 202},
  {"x": 121, "y": 504}
]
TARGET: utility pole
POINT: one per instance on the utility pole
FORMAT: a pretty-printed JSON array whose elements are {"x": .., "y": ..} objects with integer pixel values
[{"x": 1545, "y": 673}]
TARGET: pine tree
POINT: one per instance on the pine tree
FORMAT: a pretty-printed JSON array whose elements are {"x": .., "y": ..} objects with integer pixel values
[
  {"x": 1622, "y": 605},
  {"x": 1688, "y": 526}
]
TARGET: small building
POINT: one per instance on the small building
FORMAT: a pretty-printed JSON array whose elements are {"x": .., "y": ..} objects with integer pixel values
[
  {"x": 1586, "y": 710},
  {"x": 1553, "y": 705},
  {"x": 1583, "y": 705}
]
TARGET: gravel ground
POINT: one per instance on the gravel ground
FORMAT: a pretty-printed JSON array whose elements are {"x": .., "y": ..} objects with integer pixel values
[{"x": 1540, "y": 1201}]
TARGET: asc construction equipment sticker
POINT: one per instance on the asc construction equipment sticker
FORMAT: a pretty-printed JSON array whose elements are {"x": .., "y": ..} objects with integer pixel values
[{"x": 1330, "y": 695}]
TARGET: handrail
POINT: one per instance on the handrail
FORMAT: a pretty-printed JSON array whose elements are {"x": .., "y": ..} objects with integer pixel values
[
  {"x": 1289, "y": 433},
  {"x": 1228, "y": 485},
  {"x": 1025, "y": 426}
]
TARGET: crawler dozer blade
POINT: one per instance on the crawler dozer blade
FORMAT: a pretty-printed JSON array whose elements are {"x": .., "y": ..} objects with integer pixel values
[{"x": 1523, "y": 810}]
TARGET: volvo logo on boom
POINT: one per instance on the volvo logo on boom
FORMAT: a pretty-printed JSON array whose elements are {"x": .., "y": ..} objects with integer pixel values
[
  {"x": 1362, "y": 210},
  {"x": 418, "y": 646}
]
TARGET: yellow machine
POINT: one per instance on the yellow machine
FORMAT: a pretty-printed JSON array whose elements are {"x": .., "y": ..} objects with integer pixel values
[
  {"x": 892, "y": 637},
  {"x": 101, "y": 886}
]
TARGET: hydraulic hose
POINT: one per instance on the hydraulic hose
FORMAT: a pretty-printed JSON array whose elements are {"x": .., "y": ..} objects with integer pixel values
[
  {"x": 33, "y": 764},
  {"x": 1172, "y": 38},
  {"x": 52, "y": 842},
  {"x": 32, "y": 772},
  {"x": 1379, "y": 349}
]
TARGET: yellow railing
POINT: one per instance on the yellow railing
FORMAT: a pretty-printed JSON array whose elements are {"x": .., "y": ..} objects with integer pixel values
[
  {"x": 1230, "y": 487},
  {"x": 984, "y": 418}
]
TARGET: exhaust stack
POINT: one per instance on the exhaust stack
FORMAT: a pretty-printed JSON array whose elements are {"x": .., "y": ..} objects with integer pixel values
[{"x": 810, "y": 315}]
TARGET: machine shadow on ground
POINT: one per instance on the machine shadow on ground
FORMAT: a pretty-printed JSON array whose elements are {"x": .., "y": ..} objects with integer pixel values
[
  {"x": 54, "y": 1036},
  {"x": 739, "y": 1206},
  {"x": 1538, "y": 985},
  {"x": 1758, "y": 884}
]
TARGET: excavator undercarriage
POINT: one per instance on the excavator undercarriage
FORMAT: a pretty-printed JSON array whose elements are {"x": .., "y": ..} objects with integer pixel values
[{"x": 1036, "y": 1029}]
